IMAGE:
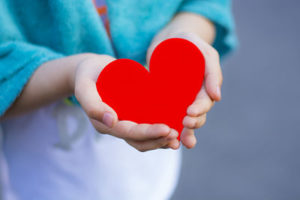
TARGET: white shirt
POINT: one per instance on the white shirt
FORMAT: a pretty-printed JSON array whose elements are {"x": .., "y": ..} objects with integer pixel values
[{"x": 54, "y": 153}]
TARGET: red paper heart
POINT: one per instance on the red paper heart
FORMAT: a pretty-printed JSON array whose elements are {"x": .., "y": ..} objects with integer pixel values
[{"x": 160, "y": 95}]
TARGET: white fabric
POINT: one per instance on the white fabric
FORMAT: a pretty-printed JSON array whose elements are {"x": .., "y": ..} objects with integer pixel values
[{"x": 55, "y": 154}]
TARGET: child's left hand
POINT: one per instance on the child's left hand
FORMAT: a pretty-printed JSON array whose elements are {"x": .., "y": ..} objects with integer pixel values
[{"x": 211, "y": 89}]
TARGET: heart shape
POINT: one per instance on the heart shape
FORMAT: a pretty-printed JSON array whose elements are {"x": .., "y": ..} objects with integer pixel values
[{"x": 160, "y": 95}]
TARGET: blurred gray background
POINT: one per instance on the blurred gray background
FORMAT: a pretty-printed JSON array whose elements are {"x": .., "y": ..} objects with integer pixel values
[{"x": 249, "y": 148}]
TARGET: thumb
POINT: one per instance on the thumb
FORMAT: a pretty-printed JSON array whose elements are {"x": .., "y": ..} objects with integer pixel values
[
  {"x": 213, "y": 86},
  {"x": 94, "y": 107},
  {"x": 102, "y": 113},
  {"x": 213, "y": 76}
]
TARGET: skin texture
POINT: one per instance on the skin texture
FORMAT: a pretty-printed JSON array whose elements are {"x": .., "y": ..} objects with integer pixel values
[{"x": 78, "y": 74}]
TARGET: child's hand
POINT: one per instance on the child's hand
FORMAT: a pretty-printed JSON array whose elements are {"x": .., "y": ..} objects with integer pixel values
[
  {"x": 143, "y": 137},
  {"x": 210, "y": 92}
]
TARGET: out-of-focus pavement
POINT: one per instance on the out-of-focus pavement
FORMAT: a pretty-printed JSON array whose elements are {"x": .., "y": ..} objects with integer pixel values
[{"x": 249, "y": 149}]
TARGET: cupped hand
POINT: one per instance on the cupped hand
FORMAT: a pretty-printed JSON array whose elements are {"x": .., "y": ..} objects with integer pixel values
[
  {"x": 142, "y": 137},
  {"x": 210, "y": 91}
]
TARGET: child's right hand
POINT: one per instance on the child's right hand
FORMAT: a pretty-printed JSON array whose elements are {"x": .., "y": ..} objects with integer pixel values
[{"x": 143, "y": 137}]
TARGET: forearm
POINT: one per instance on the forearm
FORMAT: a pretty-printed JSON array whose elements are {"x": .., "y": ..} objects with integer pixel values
[
  {"x": 50, "y": 82},
  {"x": 191, "y": 23}
]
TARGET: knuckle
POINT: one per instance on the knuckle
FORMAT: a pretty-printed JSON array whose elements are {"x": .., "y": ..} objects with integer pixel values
[{"x": 92, "y": 112}]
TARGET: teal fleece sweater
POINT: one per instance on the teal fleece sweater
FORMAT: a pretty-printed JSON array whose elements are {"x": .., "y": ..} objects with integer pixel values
[{"x": 33, "y": 32}]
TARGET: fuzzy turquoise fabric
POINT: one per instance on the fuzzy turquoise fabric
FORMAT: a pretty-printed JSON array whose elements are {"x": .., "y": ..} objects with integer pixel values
[{"x": 33, "y": 32}]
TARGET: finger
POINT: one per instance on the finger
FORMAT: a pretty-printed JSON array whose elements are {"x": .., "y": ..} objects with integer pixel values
[
  {"x": 132, "y": 131},
  {"x": 201, "y": 105},
  {"x": 213, "y": 75},
  {"x": 173, "y": 135},
  {"x": 92, "y": 104},
  {"x": 188, "y": 138},
  {"x": 194, "y": 122},
  {"x": 174, "y": 144},
  {"x": 147, "y": 145},
  {"x": 100, "y": 127}
]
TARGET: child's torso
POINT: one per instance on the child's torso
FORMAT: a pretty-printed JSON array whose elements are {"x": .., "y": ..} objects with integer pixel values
[{"x": 55, "y": 153}]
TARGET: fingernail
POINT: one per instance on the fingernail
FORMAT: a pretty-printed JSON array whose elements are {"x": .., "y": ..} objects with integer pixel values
[{"x": 108, "y": 119}]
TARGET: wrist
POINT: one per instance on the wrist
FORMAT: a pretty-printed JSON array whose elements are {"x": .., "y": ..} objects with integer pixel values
[{"x": 190, "y": 23}]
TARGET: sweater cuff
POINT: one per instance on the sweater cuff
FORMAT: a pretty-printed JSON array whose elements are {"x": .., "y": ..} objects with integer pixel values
[{"x": 18, "y": 62}]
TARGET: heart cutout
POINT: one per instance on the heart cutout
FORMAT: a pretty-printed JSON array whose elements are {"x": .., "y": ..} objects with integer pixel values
[{"x": 160, "y": 95}]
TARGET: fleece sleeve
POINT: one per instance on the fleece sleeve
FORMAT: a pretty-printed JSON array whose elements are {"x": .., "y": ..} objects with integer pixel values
[
  {"x": 18, "y": 61},
  {"x": 219, "y": 12}
]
